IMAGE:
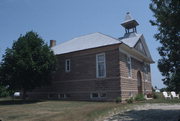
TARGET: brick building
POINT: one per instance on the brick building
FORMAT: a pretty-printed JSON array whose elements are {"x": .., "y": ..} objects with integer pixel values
[{"x": 100, "y": 67}]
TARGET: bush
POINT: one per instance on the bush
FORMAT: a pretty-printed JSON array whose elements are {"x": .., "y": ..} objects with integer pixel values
[
  {"x": 139, "y": 97},
  {"x": 150, "y": 95},
  {"x": 158, "y": 95},
  {"x": 4, "y": 92},
  {"x": 130, "y": 100},
  {"x": 118, "y": 99}
]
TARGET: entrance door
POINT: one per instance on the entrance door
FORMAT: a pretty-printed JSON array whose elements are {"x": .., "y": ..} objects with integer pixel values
[{"x": 139, "y": 82}]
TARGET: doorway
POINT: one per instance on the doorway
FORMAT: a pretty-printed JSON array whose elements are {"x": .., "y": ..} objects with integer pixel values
[{"x": 139, "y": 82}]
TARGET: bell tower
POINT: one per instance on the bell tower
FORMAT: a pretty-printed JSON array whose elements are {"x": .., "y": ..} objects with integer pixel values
[{"x": 130, "y": 24}]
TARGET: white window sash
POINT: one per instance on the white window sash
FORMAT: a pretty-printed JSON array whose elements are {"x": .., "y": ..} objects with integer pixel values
[
  {"x": 67, "y": 65},
  {"x": 97, "y": 65},
  {"x": 130, "y": 65},
  {"x": 145, "y": 72}
]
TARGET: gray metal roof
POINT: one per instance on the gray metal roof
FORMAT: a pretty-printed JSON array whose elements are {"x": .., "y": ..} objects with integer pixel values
[
  {"x": 95, "y": 40},
  {"x": 85, "y": 42},
  {"x": 131, "y": 39}
]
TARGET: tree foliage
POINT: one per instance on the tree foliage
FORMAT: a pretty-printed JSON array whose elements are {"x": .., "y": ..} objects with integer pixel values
[
  {"x": 167, "y": 18},
  {"x": 28, "y": 64},
  {"x": 4, "y": 92}
]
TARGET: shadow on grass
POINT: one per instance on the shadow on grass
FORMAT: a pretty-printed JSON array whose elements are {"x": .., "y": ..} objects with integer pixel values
[
  {"x": 18, "y": 101},
  {"x": 148, "y": 115}
]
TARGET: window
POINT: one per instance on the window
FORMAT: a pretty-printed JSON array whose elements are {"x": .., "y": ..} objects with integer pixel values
[
  {"x": 145, "y": 72},
  {"x": 67, "y": 65},
  {"x": 129, "y": 66},
  {"x": 100, "y": 65},
  {"x": 102, "y": 95},
  {"x": 94, "y": 95},
  {"x": 60, "y": 96},
  {"x": 98, "y": 95},
  {"x": 68, "y": 95},
  {"x": 52, "y": 96}
]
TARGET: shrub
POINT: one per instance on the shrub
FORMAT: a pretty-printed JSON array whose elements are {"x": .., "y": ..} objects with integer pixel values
[
  {"x": 150, "y": 95},
  {"x": 139, "y": 97},
  {"x": 157, "y": 95},
  {"x": 130, "y": 100},
  {"x": 118, "y": 99},
  {"x": 4, "y": 92}
]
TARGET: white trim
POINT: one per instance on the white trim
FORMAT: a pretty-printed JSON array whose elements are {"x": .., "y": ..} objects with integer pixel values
[
  {"x": 128, "y": 78},
  {"x": 125, "y": 52},
  {"x": 97, "y": 71},
  {"x": 66, "y": 68},
  {"x": 128, "y": 56}
]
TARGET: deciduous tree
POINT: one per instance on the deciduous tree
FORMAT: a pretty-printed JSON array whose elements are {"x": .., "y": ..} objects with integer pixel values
[
  {"x": 28, "y": 64},
  {"x": 167, "y": 18}
]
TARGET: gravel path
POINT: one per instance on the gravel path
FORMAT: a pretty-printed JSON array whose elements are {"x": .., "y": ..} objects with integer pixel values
[{"x": 149, "y": 112}]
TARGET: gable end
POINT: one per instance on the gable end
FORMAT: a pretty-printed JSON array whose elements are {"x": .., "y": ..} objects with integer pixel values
[{"x": 139, "y": 47}]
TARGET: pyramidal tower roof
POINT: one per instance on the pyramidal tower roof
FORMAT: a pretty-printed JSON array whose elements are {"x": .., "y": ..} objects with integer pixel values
[
  {"x": 129, "y": 22},
  {"x": 128, "y": 17}
]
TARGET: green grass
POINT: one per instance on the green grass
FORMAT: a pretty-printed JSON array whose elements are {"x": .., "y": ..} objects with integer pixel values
[
  {"x": 35, "y": 110},
  {"x": 170, "y": 101},
  {"x": 19, "y": 110}
]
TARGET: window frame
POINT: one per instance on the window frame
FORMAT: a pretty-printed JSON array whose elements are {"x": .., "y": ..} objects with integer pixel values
[
  {"x": 61, "y": 96},
  {"x": 100, "y": 95},
  {"x": 91, "y": 95},
  {"x": 97, "y": 63},
  {"x": 66, "y": 65},
  {"x": 145, "y": 71},
  {"x": 129, "y": 63}
]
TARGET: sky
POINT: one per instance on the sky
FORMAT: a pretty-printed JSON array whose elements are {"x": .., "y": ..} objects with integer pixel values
[{"x": 62, "y": 20}]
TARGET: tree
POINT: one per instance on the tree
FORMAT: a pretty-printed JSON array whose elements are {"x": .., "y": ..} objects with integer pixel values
[
  {"x": 167, "y": 18},
  {"x": 28, "y": 64},
  {"x": 4, "y": 92}
]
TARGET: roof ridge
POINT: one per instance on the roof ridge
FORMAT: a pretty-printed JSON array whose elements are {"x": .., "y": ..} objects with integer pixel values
[
  {"x": 73, "y": 38},
  {"x": 108, "y": 36},
  {"x": 92, "y": 40},
  {"x": 84, "y": 36}
]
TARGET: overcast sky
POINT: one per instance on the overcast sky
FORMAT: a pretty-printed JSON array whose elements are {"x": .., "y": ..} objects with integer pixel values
[{"x": 63, "y": 20}]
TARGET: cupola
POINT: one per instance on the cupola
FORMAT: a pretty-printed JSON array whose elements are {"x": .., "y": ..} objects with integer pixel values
[{"x": 129, "y": 23}]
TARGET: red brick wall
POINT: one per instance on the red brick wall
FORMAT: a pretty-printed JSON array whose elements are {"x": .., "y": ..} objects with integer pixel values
[
  {"x": 82, "y": 77},
  {"x": 129, "y": 85},
  {"x": 81, "y": 81}
]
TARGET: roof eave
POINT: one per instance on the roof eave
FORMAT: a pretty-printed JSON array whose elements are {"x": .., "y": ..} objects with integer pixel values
[
  {"x": 89, "y": 48},
  {"x": 136, "y": 53}
]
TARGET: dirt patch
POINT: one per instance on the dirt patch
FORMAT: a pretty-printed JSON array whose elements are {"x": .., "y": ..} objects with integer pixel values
[{"x": 149, "y": 112}]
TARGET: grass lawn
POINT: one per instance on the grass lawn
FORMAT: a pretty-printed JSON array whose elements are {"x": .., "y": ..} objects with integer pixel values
[
  {"x": 55, "y": 110},
  {"x": 19, "y": 110}
]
